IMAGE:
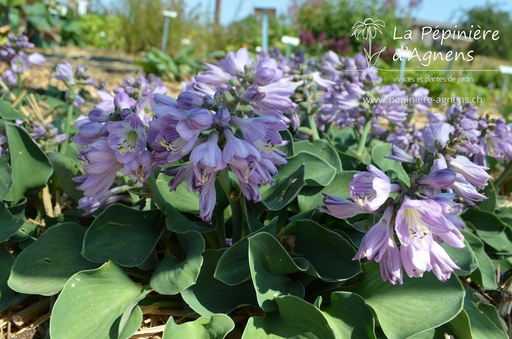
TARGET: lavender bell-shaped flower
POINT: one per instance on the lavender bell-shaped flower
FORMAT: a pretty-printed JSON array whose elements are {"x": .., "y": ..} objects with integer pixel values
[
  {"x": 375, "y": 241},
  {"x": 188, "y": 100},
  {"x": 461, "y": 186},
  {"x": 443, "y": 178},
  {"x": 371, "y": 189},
  {"x": 207, "y": 161},
  {"x": 391, "y": 263},
  {"x": 101, "y": 166},
  {"x": 36, "y": 59},
  {"x": 235, "y": 63},
  {"x": 473, "y": 173},
  {"x": 9, "y": 77},
  {"x": 399, "y": 154},
  {"x": 65, "y": 73},
  {"x": 391, "y": 105},
  {"x": 466, "y": 190},
  {"x": 419, "y": 223},
  {"x": 441, "y": 263},
  {"x": 436, "y": 136},
  {"x": 127, "y": 138},
  {"x": 340, "y": 208},
  {"x": 20, "y": 63},
  {"x": 379, "y": 245}
]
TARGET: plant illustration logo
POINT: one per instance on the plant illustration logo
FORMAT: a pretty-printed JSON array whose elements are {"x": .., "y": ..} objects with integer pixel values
[{"x": 367, "y": 30}]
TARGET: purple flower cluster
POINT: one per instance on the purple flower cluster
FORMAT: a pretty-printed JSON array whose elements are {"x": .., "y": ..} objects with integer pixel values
[
  {"x": 423, "y": 216},
  {"x": 230, "y": 119},
  {"x": 256, "y": 88},
  {"x": 288, "y": 65},
  {"x": 142, "y": 90},
  {"x": 357, "y": 96},
  {"x": 72, "y": 80},
  {"x": 114, "y": 138},
  {"x": 213, "y": 138},
  {"x": 12, "y": 53},
  {"x": 460, "y": 129},
  {"x": 44, "y": 134},
  {"x": 477, "y": 136},
  {"x": 408, "y": 138}
]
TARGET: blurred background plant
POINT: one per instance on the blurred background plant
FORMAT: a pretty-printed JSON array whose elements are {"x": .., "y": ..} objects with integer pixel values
[
  {"x": 197, "y": 34},
  {"x": 171, "y": 69},
  {"x": 102, "y": 31}
]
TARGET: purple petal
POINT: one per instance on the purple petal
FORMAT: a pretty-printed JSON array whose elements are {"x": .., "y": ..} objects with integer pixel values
[{"x": 340, "y": 208}]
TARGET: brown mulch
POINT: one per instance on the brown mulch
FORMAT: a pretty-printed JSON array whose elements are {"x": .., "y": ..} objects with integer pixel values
[{"x": 105, "y": 67}]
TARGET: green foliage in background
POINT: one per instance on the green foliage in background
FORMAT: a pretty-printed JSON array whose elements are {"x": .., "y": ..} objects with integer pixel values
[
  {"x": 172, "y": 69},
  {"x": 490, "y": 17},
  {"x": 102, "y": 31}
]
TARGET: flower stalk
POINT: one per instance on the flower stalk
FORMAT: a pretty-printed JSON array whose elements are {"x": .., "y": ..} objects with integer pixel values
[
  {"x": 503, "y": 175},
  {"x": 234, "y": 203},
  {"x": 364, "y": 137},
  {"x": 312, "y": 126},
  {"x": 69, "y": 119}
]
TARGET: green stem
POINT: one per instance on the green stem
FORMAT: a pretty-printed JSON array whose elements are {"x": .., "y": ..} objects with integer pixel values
[
  {"x": 312, "y": 126},
  {"x": 69, "y": 118},
  {"x": 503, "y": 176},
  {"x": 364, "y": 136},
  {"x": 236, "y": 211},
  {"x": 18, "y": 81}
]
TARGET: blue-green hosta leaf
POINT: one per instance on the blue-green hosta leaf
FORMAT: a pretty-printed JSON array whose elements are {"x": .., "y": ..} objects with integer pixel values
[
  {"x": 64, "y": 169},
  {"x": 329, "y": 254},
  {"x": 484, "y": 275},
  {"x": 489, "y": 204},
  {"x": 349, "y": 316},
  {"x": 8, "y": 297},
  {"x": 178, "y": 223},
  {"x": 132, "y": 324},
  {"x": 174, "y": 203},
  {"x": 233, "y": 267},
  {"x": 351, "y": 160},
  {"x": 270, "y": 265},
  {"x": 45, "y": 266},
  {"x": 286, "y": 188},
  {"x": 92, "y": 302},
  {"x": 218, "y": 326},
  {"x": 317, "y": 171},
  {"x": 7, "y": 112},
  {"x": 26, "y": 156},
  {"x": 379, "y": 154},
  {"x": 293, "y": 318},
  {"x": 5, "y": 176},
  {"x": 173, "y": 276},
  {"x": 310, "y": 197},
  {"x": 458, "y": 327},
  {"x": 181, "y": 199},
  {"x": 483, "y": 318},
  {"x": 210, "y": 296},
  {"x": 123, "y": 235},
  {"x": 321, "y": 148},
  {"x": 462, "y": 257},
  {"x": 418, "y": 305},
  {"x": 490, "y": 228},
  {"x": 9, "y": 224}
]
